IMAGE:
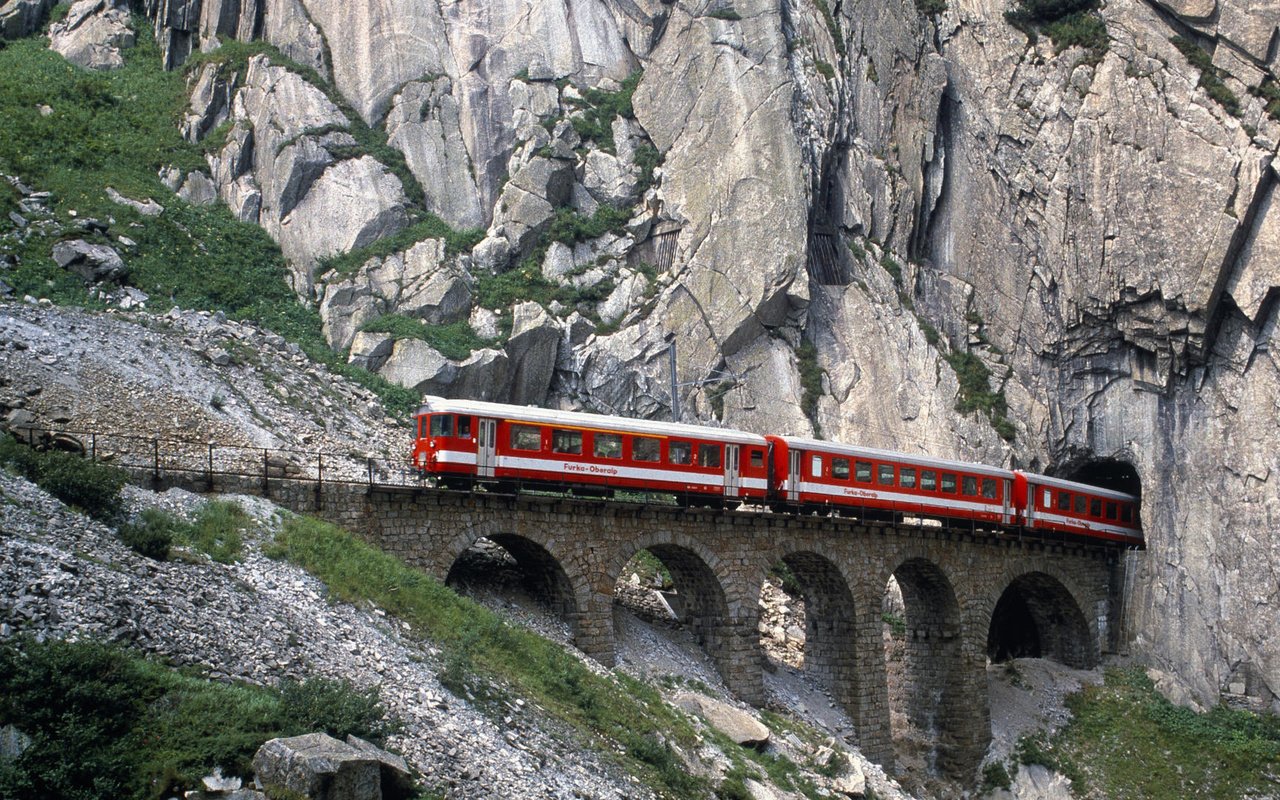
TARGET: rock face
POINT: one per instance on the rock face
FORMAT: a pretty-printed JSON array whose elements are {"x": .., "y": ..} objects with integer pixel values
[
  {"x": 832, "y": 211},
  {"x": 93, "y": 33}
]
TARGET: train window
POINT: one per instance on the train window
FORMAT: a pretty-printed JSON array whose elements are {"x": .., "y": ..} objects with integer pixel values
[
  {"x": 840, "y": 468},
  {"x": 1126, "y": 513},
  {"x": 422, "y": 427},
  {"x": 1095, "y": 507},
  {"x": 526, "y": 437},
  {"x": 969, "y": 485},
  {"x": 442, "y": 425},
  {"x": 645, "y": 449},
  {"x": 884, "y": 474},
  {"x": 680, "y": 453},
  {"x": 464, "y": 427},
  {"x": 1080, "y": 501},
  {"x": 989, "y": 488},
  {"x": 907, "y": 477},
  {"x": 862, "y": 471},
  {"x": 1111, "y": 510},
  {"x": 1064, "y": 501},
  {"x": 815, "y": 467},
  {"x": 928, "y": 480},
  {"x": 708, "y": 455},
  {"x": 948, "y": 482},
  {"x": 568, "y": 442},
  {"x": 757, "y": 459},
  {"x": 607, "y": 445}
]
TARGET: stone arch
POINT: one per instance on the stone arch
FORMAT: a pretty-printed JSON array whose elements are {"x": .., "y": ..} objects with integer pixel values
[
  {"x": 1038, "y": 614},
  {"x": 830, "y": 620},
  {"x": 938, "y": 688},
  {"x": 548, "y": 577},
  {"x": 710, "y": 602}
]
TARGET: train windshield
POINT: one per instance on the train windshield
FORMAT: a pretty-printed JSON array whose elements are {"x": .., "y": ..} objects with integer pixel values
[{"x": 442, "y": 425}]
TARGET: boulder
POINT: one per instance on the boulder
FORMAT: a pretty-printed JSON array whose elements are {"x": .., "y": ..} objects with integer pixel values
[
  {"x": 92, "y": 262},
  {"x": 371, "y": 350},
  {"x": 147, "y": 208},
  {"x": 198, "y": 190},
  {"x": 93, "y": 34},
  {"x": 738, "y": 725},
  {"x": 318, "y": 766},
  {"x": 629, "y": 293},
  {"x": 209, "y": 106},
  {"x": 416, "y": 365},
  {"x": 397, "y": 780}
]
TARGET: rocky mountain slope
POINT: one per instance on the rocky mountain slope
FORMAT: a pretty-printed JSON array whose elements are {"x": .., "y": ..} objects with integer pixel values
[{"x": 1043, "y": 241}]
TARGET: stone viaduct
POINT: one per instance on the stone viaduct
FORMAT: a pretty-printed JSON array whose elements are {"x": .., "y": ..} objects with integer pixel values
[{"x": 572, "y": 552}]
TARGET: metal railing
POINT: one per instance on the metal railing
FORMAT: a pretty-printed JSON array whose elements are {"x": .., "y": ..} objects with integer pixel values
[{"x": 165, "y": 457}]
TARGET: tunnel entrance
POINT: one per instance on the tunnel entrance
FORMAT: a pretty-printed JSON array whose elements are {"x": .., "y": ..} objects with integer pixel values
[{"x": 1119, "y": 476}]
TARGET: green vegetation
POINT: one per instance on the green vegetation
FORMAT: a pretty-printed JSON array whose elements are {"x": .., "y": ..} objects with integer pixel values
[
  {"x": 824, "y": 69},
  {"x": 810, "y": 383},
  {"x": 1121, "y": 729},
  {"x": 569, "y": 227},
  {"x": 107, "y": 723},
  {"x": 975, "y": 392},
  {"x": 833, "y": 28},
  {"x": 788, "y": 580},
  {"x": 72, "y": 478},
  {"x": 931, "y": 8},
  {"x": 1067, "y": 23},
  {"x": 650, "y": 569},
  {"x": 599, "y": 110},
  {"x": 1211, "y": 78},
  {"x": 897, "y": 625},
  {"x": 995, "y": 776},
  {"x": 455, "y": 340},
  {"x": 217, "y": 531},
  {"x": 1269, "y": 91},
  {"x": 486, "y": 657},
  {"x": 725, "y": 12},
  {"x": 430, "y": 227},
  {"x": 891, "y": 266},
  {"x": 647, "y": 158}
]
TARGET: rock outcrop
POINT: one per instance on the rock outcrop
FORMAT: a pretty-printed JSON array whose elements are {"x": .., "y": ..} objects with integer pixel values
[{"x": 93, "y": 33}]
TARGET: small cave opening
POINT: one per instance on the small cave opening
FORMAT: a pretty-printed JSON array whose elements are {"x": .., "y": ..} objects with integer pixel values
[
  {"x": 510, "y": 573},
  {"x": 1119, "y": 476},
  {"x": 1013, "y": 633}
]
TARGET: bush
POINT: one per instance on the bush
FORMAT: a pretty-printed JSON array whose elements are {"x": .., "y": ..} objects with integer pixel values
[
  {"x": 73, "y": 479},
  {"x": 153, "y": 535},
  {"x": 726, "y": 13},
  {"x": 995, "y": 776},
  {"x": 570, "y": 227},
  {"x": 810, "y": 382},
  {"x": 1210, "y": 76},
  {"x": 931, "y": 8},
  {"x": 107, "y": 723},
  {"x": 217, "y": 530},
  {"x": 455, "y": 340},
  {"x": 1068, "y": 23},
  {"x": 599, "y": 110}
]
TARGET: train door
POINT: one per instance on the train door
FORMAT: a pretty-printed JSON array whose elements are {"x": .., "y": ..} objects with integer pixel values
[
  {"x": 1006, "y": 516},
  {"x": 732, "y": 475},
  {"x": 793, "y": 477},
  {"x": 487, "y": 448}
]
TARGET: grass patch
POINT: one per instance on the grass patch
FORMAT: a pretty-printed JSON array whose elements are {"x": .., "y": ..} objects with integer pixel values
[
  {"x": 569, "y": 226},
  {"x": 600, "y": 108},
  {"x": 1122, "y": 729},
  {"x": 1211, "y": 78},
  {"x": 931, "y": 8},
  {"x": 726, "y": 13},
  {"x": 1269, "y": 91},
  {"x": 824, "y": 69},
  {"x": 975, "y": 392},
  {"x": 824, "y": 8},
  {"x": 897, "y": 625},
  {"x": 1067, "y": 23},
  {"x": 456, "y": 340},
  {"x": 481, "y": 650},
  {"x": 73, "y": 479},
  {"x": 430, "y": 227},
  {"x": 810, "y": 383},
  {"x": 108, "y": 723}
]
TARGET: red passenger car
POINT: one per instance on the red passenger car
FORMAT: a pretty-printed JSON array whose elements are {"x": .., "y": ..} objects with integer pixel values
[
  {"x": 848, "y": 478},
  {"x": 461, "y": 440},
  {"x": 1054, "y": 504}
]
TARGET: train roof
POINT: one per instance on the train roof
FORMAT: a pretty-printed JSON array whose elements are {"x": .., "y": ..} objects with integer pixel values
[
  {"x": 891, "y": 455},
  {"x": 1076, "y": 486},
  {"x": 442, "y": 405}
]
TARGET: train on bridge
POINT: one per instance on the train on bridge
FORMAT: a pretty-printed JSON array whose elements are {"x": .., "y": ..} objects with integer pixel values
[{"x": 461, "y": 442}]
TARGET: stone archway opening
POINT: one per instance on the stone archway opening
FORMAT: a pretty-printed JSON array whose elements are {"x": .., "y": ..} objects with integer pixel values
[
  {"x": 921, "y": 632},
  {"x": 807, "y": 620},
  {"x": 1037, "y": 617},
  {"x": 519, "y": 578},
  {"x": 673, "y": 586}
]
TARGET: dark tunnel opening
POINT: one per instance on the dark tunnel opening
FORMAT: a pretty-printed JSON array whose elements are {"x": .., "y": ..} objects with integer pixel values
[
  {"x": 1013, "y": 633},
  {"x": 1119, "y": 476}
]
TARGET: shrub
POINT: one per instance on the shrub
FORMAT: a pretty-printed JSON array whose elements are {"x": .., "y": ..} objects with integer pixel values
[
  {"x": 217, "y": 530},
  {"x": 824, "y": 69},
  {"x": 73, "y": 479},
  {"x": 995, "y": 776},
  {"x": 726, "y": 13},
  {"x": 810, "y": 382},
  {"x": 1068, "y": 23},
  {"x": 153, "y": 535},
  {"x": 1210, "y": 76},
  {"x": 599, "y": 110},
  {"x": 569, "y": 227},
  {"x": 456, "y": 340},
  {"x": 430, "y": 227},
  {"x": 931, "y": 8},
  {"x": 335, "y": 707}
]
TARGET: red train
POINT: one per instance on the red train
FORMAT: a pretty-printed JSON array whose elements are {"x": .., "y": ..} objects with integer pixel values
[{"x": 461, "y": 441}]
